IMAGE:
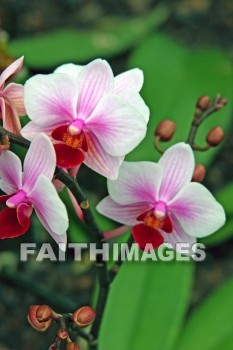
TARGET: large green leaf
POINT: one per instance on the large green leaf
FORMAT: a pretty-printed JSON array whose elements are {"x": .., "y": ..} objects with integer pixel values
[
  {"x": 146, "y": 306},
  {"x": 211, "y": 324},
  {"x": 66, "y": 45},
  {"x": 175, "y": 76}
]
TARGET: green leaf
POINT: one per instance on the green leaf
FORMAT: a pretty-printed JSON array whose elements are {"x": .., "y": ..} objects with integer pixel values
[
  {"x": 112, "y": 37},
  {"x": 175, "y": 76},
  {"x": 211, "y": 324},
  {"x": 146, "y": 306}
]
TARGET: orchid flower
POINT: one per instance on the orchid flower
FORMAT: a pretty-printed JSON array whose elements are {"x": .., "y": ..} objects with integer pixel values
[
  {"x": 31, "y": 189},
  {"x": 90, "y": 116},
  {"x": 160, "y": 202},
  {"x": 11, "y": 98}
]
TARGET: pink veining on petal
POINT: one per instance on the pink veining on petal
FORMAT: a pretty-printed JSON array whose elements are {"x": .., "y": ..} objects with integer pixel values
[{"x": 116, "y": 232}]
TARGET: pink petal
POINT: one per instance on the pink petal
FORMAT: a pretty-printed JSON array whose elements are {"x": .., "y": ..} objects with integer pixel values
[
  {"x": 116, "y": 232},
  {"x": 178, "y": 165},
  {"x": 71, "y": 69},
  {"x": 94, "y": 81},
  {"x": 50, "y": 99},
  {"x": 99, "y": 160},
  {"x": 136, "y": 101},
  {"x": 197, "y": 210},
  {"x": 132, "y": 79},
  {"x": 40, "y": 160},
  {"x": 49, "y": 207},
  {"x": 30, "y": 130},
  {"x": 10, "y": 116},
  {"x": 76, "y": 206},
  {"x": 137, "y": 182},
  {"x": 144, "y": 235},
  {"x": 178, "y": 235},
  {"x": 10, "y": 172},
  {"x": 12, "y": 69},
  {"x": 124, "y": 214},
  {"x": 15, "y": 92},
  {"x": 118, "y": 126}
]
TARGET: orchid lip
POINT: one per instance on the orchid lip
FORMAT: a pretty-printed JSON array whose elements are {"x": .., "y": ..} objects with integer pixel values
[
  {"x": 76, "y": 127},
  {"x": 160, "y": 210},
  {"x": 17, "y": 199}
]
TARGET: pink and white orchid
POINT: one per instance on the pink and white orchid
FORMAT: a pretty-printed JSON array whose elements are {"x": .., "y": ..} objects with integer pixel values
[
  {"x": 160, "y": 202},
  {"x": 11, "y": 98},
  {"x": 31, "y": 189},
  {"x": 90, "y": 116}
]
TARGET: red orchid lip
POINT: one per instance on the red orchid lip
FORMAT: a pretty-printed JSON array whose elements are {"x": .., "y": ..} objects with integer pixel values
[
  {"x": 68, "y": 157},
  {"x": 14, "y": 221}
]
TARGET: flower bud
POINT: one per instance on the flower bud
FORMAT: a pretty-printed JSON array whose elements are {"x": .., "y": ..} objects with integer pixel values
[
  {"x": 62, "y": 334},
  {"x": 203, "y": 103},
  {"x": 165, "y": 130},
  {"x": 215, "y": 136},
  {"x": 199, "y": 173},
  {"x": 72, "y": 346},
  {"x": 223, "y": 101},
  {"x": 84, "y": 316},
  {"x": 32, "y": 319},
  {"x": 43, "y": 313}
]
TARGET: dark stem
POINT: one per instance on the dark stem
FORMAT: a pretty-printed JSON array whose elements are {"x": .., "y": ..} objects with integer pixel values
[{"x": 214, "y": 107}]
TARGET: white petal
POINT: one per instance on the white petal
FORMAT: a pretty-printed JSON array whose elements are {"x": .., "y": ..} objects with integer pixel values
[
  {"x": 11, "y": 70},
  {"x": 10, "y": 172},
  {"x": 40, "y": 160},
  {"x": 124, "y": 214},
  {"x": 50, "y": 100},
  {"x": 178, "y": 165},
  {"x": 52, "y": 211},
  {"x": 177, "y": 236},
  {"x": 132, "y": 79},
  {"x": 137, "y": 182},
  {"x": 94, "y": 81},
  {"x": 136, "y": 101},
  {"x": 71, "y": 69},
  {"x": 99, "y": 160},
  {"x": 197, "y": 210},
  {"x": 118, "y": 126},
  {"x": 30, "y": 130}
]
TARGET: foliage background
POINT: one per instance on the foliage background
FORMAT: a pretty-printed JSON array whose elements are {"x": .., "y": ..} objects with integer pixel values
[{"x": 185, "y": 50}]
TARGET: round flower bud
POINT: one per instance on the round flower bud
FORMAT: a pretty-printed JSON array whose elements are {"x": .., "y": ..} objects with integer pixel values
[
  {"x": 215, "y": 136},
  {"x": 84, "y": 316},
  {"x": 203, "y": 103},
  {"x": 62, "y": 334},
  {"x": 72, "y": 346},
  {"x": 165, "y": 130},
  {"x": 32, "y": 319},
  {"x": 44, "y": 313},
  {"x": 223, "y": 101},
  {"x": 199, "y": 173}
]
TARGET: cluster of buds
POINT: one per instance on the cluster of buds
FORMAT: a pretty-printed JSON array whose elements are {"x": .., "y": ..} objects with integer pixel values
[
  {"x": 40, "y": 318},
  {"x": 204, "y": 108}
]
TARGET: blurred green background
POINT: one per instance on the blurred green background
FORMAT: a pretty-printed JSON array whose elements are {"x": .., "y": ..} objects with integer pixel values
[{"x": 184, "y": 48}]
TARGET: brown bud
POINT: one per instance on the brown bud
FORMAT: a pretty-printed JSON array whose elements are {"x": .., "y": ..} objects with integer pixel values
[
  {"x": 223, "y": 101},
  {"x": 44, "y": 313},
  {"x": 199, "y": 173},
  {"x": 32, "y": 319},
  {"x": 84, "y": 316},
  {"x": 62, "y": 334},
  {"x": 215, "y": 136},
  {"x": 203, "y": 103},
  {"x": 72, "y": 346},
  {"x": 165, "y": 130}
]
